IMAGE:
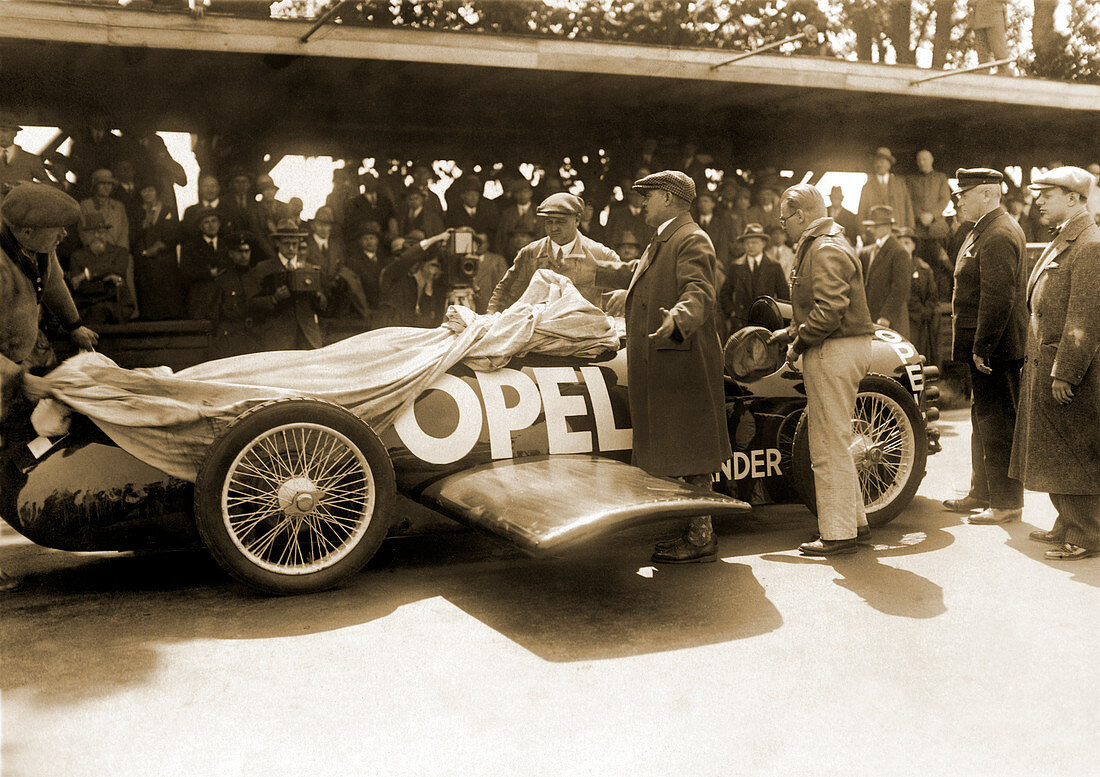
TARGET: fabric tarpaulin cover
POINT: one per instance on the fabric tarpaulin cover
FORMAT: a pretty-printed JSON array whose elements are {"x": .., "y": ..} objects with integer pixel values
[{"x": 168, "y": 420}]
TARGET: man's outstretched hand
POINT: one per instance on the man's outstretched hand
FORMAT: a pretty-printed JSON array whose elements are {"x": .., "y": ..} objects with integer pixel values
[{"x": 667, "y": 327}]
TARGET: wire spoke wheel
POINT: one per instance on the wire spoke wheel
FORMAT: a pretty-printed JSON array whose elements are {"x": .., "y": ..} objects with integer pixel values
[
  {"x": 888, "y": 447},
  {"x": 298, "y": 498},
  {"x": 295, "y": 496}
]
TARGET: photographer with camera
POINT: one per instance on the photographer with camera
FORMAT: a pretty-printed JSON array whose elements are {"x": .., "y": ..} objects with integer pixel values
[
  {"x": 564, "y": 250},
  {"x": 288, "y": 294},
  {"x": 415, "y": 284}
]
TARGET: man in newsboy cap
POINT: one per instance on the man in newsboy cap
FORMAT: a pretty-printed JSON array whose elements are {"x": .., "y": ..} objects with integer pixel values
[
  {"x": 674, "y": 357},
  {"x": 989, "y": 326},
  {"x": 1056, "y": 447},
  {"x": 34, "y": 217},
  {"x": 564, "y": 250}
]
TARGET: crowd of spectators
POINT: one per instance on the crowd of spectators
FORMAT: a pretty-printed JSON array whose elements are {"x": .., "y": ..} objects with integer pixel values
[{"x": 380, "y": 243}]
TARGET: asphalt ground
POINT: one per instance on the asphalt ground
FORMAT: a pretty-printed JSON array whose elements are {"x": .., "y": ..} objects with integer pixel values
[{"x": 941, "y": 648}]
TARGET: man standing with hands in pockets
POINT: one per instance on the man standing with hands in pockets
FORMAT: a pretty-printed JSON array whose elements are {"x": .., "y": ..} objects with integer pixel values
[
  {"x": 831, "y": 330},
  {"x": 674, "y": 358}
]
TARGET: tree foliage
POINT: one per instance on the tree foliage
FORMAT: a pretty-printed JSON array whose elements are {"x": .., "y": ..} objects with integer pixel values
[{"x": 876, "y": 30}]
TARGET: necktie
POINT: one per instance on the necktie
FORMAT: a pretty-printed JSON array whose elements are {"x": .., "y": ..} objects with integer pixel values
[{"x": 557, "y": 257}]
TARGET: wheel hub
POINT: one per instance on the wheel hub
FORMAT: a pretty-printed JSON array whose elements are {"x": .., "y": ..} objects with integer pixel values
[{"x": 298, "y": 496}]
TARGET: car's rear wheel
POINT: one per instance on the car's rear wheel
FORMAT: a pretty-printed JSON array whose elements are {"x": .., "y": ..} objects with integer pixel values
[
  {"x": 888, "y": 446},
  {"x": 295, "y": 496}
]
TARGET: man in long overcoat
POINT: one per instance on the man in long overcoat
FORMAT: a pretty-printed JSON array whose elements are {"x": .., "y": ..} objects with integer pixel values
[
  {"x": 989, "y": 326},
  {"x": 674, "y": 358},
  {"x": 1057, "y": 442}
]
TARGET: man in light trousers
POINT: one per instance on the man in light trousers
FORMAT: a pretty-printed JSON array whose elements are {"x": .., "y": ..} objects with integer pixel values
[{"x": 831, "y": 330}]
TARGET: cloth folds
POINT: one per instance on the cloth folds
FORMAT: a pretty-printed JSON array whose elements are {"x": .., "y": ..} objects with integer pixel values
[{"x": 168, "y": 420}]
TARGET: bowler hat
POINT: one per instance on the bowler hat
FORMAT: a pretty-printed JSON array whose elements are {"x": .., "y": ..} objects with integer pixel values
[
  {"x": 968, "y": 178},
  {"x": 287, "y": 228},
  {"x": 753, "y": 230},
  {"x": 749, "y": 356},
  {"x": 561, "y": 204},
  {"x": 1072, "y": 179},
  {"x": 325, "y": 215},
  {"x": 672, "y": 181},
  {"x": 879, "y": 215},
  {"x": 884, "y": 152},
  {"x": 368, "y": 228},
  {"x": 103, "y": 176},
  {"x": 38, "y": 206}
]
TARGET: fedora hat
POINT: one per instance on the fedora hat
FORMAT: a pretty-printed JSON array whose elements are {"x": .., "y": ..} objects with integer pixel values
[
  {"x": 288, "y": 228},
  {"x": 879, "y": 214},
  {"x": 753, "y": 230}
]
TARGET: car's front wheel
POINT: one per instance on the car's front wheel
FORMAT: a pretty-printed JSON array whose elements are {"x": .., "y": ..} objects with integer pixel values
[
  {"x": 888, "y": 447},
  {"x": 296, "y": 495}
]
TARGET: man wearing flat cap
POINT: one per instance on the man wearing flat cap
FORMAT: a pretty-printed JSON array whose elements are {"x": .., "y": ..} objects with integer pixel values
[
  {"x": 989, "y": 326},
  {"x": 887, "y": 272},
  {"x": 34, "y": 217},
  {"x": 885, "y": 188},
  {"x": 564, "y": 250},
  {"x": 674, "y": 357},
  {"x": 1057, "y": 441}
]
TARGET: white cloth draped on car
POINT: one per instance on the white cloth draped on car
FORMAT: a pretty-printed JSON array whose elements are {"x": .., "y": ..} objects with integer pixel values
[{"x": 169, "y": 419}]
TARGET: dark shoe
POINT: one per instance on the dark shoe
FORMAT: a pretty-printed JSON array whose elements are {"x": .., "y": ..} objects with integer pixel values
[
  {"x": 1067, "y": 551},
  {"x": 821, "y": 547},
  {"x": 863, "y": 534},
  {"x": 1044, "y": 536},
  {"x": 995, "y": 515},
  {"x": 684, "y": 552},
  {"x": 670, "y": 542},
  {"x": 967, "y": 504}
]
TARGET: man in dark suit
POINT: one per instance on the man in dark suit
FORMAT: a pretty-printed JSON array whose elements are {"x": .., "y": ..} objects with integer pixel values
[
  {"x": 210, "y": 199},
  {"x": 719, "y": 226},
  {"x": 371, "y": 206},
  {"x": 751, "y": 275},
  {"x": 519, "y": 215},
  {"x": 1056, "y": 447},
  {"x": 288, "y": 307},
  {"x": 887, "y": 272},
  {"x": 989, "y": 326},
  {"x": 885, "y": 188},
  {"x": 843, "y": 216},
  {"x": 674, "y": 358},
  {"x": 203, "y": 257},
  {"x": 472, "y": 210}
]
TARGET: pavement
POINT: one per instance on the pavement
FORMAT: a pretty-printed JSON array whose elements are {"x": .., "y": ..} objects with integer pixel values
[{"x": 940, "y": 649}]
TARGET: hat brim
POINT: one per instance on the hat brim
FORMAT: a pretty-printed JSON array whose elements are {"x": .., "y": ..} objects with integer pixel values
[
  {"x": 278, "y": 235},
  {"x": 874, "y": 223},
  {"x": 751, "y": 235}
]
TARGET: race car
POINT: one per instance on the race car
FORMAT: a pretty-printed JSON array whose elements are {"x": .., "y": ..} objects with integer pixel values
[{"x": 297, "y": 493}]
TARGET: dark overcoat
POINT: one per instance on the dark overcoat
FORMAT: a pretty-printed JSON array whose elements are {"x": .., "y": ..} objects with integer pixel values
[
  {"x": 676, "y": 390},
  {"x": 886, "y": 283},
  {"x": 288, "y": 324},
  {"x": 1056, "y": 448},
  {"x": 989, "y": 315}
]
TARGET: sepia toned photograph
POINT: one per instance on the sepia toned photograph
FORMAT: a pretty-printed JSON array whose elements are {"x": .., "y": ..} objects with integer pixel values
[{"x": 549, "y": 387}]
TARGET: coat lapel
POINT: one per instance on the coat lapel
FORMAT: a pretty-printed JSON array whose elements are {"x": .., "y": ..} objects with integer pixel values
[
  {"x": 1057, "y": 246},
  {"x": 654, "y": 247}
]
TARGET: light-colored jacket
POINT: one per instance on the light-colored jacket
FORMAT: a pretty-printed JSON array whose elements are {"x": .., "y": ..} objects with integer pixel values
[{"x": 579, "y": 266}]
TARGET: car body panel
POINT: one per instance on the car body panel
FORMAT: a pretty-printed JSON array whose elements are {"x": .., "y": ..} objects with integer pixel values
[{"x": 549, "y": 502}]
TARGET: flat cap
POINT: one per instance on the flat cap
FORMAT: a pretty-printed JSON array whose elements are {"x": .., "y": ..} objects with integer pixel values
[
  {"x": 968, "y": 178},
  {"x": 1073, "y": 179},
  {"x": 672, "y": 181},
  {"x": 879, "y": 214},
  {"x": 561, "y": 204},
  {"x": 39, "y": 206}
]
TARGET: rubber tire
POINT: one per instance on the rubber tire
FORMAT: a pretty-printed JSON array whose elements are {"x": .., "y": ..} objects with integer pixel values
[
  {"x": 804, "y": 475},
  {"x": 212, "y": 474}
]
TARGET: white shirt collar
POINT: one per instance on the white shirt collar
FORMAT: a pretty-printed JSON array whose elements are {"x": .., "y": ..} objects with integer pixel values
[
  {"x": 881, "y": 241},
  {"x": 322, "y": 243},
  {"x": 472, "y": 211},
  {"x": 288, "y": 264},
  {"x": 212, "y": 203},
  {"x": 661, "y": 228},
  {"x": 566, "y": 250}
]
